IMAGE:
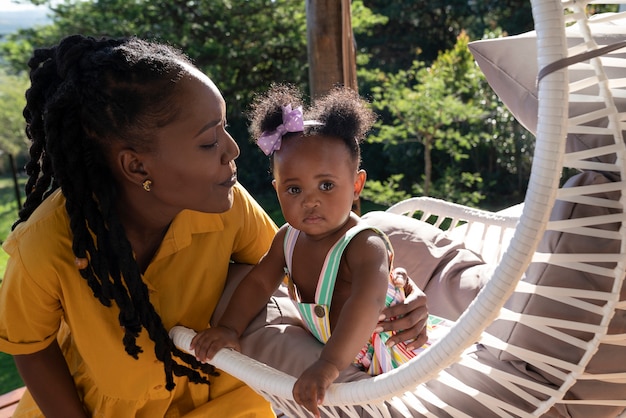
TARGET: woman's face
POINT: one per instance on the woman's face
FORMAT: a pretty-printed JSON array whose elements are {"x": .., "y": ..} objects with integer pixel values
[{"x": 192, "y": 165}]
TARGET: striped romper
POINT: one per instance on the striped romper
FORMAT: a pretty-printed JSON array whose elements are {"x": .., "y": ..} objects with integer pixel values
[{"x": 374, "y": 358}]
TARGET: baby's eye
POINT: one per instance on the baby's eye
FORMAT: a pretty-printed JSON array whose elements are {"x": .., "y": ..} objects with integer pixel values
[
  {"x": 326, "y": 186},
  {"x": 293, "y": 190}
]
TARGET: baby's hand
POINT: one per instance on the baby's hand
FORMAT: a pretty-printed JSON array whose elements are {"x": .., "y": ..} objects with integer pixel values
[
  {"x": 310, "y": 388},
  {"x": 208, "y": 342},
  {"x": 400, "y": 277}
]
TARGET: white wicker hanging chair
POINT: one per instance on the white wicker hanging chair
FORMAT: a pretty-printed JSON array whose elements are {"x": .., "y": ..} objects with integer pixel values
[{"x": 408, "y": 385}]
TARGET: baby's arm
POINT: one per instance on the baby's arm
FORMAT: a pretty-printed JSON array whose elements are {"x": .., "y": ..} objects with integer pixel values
[
  {"x": 367, "y": 260},
  {"x": 249, "y": 298}
]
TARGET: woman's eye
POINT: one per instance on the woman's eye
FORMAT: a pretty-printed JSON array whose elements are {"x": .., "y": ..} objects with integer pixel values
[
  {"x": 213, "y": 144},
  {"x": 326, "y": 186}
]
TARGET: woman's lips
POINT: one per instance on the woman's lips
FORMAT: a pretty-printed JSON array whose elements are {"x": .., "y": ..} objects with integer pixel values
[{"x": 231, "y": 181}]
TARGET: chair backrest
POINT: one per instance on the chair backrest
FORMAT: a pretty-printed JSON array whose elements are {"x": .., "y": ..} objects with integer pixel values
[{"x": 484, "y": 232}]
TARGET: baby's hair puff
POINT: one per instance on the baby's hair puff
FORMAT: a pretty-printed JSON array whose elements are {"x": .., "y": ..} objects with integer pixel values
[{"x": 341, "y": 113}]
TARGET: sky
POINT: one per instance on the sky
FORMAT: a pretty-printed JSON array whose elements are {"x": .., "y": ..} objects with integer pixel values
[{"x": 9, "y": 5}]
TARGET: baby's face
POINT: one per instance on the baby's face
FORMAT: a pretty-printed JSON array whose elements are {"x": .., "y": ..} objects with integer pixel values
[{"x": 315, "y": 180}]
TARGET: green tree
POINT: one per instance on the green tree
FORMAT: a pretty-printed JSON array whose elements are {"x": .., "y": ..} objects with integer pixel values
[
  {"x": 243, "y": 45},
  {"x": 434, "y": 109},
  {"x": 428, "y": 27},
  {"x": 12, "y": 101}
]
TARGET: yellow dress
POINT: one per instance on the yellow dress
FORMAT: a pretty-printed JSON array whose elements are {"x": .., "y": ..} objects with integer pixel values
[{"x": 43, "y": 297}]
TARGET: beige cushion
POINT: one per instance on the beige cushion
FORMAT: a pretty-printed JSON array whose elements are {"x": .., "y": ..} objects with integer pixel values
[
  {"x": 450, "y": 274},
  {"x": 510, "y": 66}
]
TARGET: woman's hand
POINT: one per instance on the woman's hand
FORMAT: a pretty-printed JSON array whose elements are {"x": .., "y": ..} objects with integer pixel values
[{"x": 408, "y": 319}]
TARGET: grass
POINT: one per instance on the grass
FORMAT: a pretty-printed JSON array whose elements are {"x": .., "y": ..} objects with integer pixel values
[
  {"x": 9, "y": 377},
  {"x": 8, "y": 211}
]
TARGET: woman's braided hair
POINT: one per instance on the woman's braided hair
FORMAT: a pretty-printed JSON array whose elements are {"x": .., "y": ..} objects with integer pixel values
[{"x": 86, "y": 93}]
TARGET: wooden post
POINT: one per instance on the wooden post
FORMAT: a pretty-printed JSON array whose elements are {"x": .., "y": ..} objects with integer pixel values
[
  {"x": 331, "y": 50},
  {"x": 330, "y": 47}
]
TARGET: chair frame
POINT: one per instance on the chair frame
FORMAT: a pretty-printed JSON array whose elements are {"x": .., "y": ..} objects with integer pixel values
[{"x": 405, "y": 385}]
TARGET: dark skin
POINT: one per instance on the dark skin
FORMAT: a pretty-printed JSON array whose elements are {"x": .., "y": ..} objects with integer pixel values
[
  {"x": 208, "y": 159},
  {"x": 309, "y": 258},
  {"x": 316, "y": 180},
  {"x": 48, "y": 365},
  {"x": 194, "y": 150},
  {"x": 410, "y": 318}
]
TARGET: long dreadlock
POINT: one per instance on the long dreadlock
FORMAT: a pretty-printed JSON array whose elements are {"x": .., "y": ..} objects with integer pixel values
[{"x": 84, "y": 94}]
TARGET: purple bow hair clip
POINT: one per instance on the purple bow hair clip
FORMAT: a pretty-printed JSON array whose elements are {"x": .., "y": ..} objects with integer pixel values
[{"x": 269, "y": 142}]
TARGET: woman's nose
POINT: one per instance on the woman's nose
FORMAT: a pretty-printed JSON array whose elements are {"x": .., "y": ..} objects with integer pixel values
[{"x": 230, "y": 149}]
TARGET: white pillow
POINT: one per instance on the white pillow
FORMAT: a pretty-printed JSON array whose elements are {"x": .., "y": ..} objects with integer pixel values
[{"x": 510, "y": 66}]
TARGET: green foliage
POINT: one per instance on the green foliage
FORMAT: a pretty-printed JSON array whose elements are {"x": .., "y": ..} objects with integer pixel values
[
  {"x": 384, "y": 193},
  {"x": 364, "y": 20},
  {"x": 12, "y": 102},
  {"x": 8, "y": 211},
  {"x": 241, "y": 44},
  {"x": 456, "y": 186},
  {"x": 12, "y": 136},
  {"x": 244, "y": 45},
  {"x": 433, "y": 108},
  {"x": 9, "y": 377},
  {"x": 427, "y": 27}
]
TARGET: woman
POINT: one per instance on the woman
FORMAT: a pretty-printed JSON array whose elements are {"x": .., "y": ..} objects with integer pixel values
[{"x": 132, "y": 217}]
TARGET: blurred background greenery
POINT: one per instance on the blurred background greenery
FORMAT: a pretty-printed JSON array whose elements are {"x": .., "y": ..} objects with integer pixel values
[{"x": 442, "y": 132}]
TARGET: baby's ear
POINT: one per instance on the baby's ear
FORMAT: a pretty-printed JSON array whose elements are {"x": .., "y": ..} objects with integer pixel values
[{"x": 359, "y": 182}]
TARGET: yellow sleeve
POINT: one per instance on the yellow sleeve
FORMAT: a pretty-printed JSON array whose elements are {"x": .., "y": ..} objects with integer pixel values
[
  {"x": 30, "y": 308},
  {"x": 256, "y": 228}
]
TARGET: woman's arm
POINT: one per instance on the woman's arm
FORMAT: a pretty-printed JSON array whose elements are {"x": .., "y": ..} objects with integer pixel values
[{"x": 50, "y": 383}]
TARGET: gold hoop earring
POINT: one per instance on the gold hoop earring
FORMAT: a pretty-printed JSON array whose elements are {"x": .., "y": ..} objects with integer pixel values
[{"x": 147, "y": 185}]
